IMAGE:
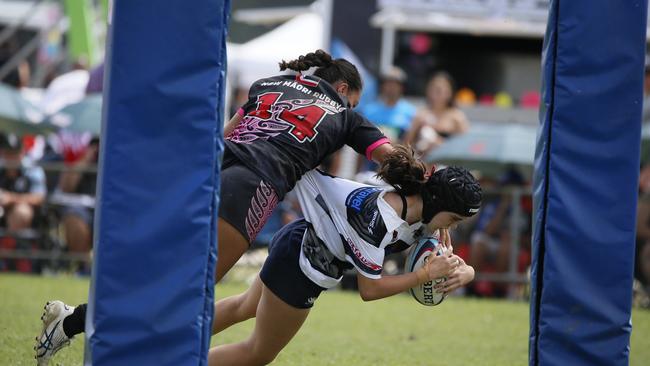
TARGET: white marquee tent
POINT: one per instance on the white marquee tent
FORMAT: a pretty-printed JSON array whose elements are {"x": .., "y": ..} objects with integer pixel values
[{"x": 259, "y": 57}]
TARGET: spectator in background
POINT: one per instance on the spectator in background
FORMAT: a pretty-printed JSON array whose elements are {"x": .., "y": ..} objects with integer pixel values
[
  {"x": 642, "y": 265},
  {"x": 22, "y": 185},
  {"x": 22, "y": 190},
  {"x": 440, "y": 119},
  {"x": 391, "y": 112},
  {"x": 491, "y": 240},
  {"x": 78, "y": 219}
]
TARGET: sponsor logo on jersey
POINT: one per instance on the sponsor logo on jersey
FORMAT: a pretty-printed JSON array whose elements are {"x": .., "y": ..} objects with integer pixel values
[
  {"x": 363, "y": 214},
  {"x": 365, "y": 261},
  {"x": 373, "y": 221},
  {"x": 358, "y": 197}
]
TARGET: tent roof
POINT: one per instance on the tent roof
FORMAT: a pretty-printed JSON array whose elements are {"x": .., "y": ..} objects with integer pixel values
[{"x": 259, "y": 57}]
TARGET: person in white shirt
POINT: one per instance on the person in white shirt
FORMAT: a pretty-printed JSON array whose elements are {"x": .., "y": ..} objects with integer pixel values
[{"x": 348, "y": 225}]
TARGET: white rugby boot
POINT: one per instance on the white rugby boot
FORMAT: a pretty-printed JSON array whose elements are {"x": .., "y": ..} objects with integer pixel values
[{"x": 52, "y": 337}]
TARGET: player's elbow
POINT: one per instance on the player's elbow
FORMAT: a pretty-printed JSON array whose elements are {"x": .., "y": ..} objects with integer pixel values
[
  {"x": 366, "y": 296},
  {"x": 368, "y": 293},
  {"x": 369, "y": 289}
]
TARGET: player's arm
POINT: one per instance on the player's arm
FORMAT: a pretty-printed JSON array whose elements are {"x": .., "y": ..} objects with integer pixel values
[
  {"x": 241, "y": 112},
  {"x": 232, "y": 124},
  {"x": 366, "y": 139},
  {"x": 374, "y": 289},
  {"x": 379, "y": 288},
  {"x": 381, "y": 151}
]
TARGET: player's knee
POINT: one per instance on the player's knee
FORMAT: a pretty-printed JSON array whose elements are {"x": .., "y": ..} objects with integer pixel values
[
  {"x": 246, "y": 308},
  {"x": 258, "y": 355},
  {"x": 263, "y": 359},
  {"x": 250, "y": 308}
]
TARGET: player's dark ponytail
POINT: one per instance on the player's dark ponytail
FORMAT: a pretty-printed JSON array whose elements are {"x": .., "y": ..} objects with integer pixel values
[
  {"x": 403, "y": 170},
  {"x": 329, "y": 69}
]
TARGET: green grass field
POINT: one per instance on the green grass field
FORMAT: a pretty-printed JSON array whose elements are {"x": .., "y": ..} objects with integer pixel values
[{"x": 341, "y": 330}]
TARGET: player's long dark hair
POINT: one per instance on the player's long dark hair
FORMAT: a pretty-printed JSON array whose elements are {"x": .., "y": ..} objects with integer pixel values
[
  {"x": 451, "y": 189},
  {"x": 329, "y": 69},
  {"x": 403, "y": 170}
]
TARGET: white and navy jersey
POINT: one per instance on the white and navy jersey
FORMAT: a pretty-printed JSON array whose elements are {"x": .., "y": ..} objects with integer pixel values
[
  {"x": 354, "y": 224},
  {"x": 290, "y": 123}
]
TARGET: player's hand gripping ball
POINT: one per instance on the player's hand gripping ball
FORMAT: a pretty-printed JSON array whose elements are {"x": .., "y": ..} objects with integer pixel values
[{"x": 424, "y": 293}]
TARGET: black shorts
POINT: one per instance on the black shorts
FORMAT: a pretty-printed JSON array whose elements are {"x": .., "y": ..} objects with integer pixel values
[
  {"x": 281, "y": 272},
  {"x": 246, "y": 200}
]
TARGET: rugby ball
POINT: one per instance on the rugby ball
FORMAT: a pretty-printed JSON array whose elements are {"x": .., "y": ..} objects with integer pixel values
[{"x": 425, "y": 294}]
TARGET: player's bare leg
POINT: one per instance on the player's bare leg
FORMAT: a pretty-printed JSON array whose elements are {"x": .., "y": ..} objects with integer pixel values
[
  {"x": 232, "y": 245},
  {"x": 238, "y": 308},
  {"x": 276, "y": 324}
]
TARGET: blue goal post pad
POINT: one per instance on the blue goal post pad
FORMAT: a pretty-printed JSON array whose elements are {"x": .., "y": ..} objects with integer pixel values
[
  {"x": 585, "y": 184},
  {"x": 151, "y": 298}
]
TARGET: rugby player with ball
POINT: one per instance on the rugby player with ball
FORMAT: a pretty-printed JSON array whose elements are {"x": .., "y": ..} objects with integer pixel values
[{"x": 349, "y": 225}]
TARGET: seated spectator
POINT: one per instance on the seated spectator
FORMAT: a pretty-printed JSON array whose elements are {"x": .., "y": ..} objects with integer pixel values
[
  {"x": 22, "y": 185},
  {"x": 491, "y": 240},
  {"x": 22, "y": 191},
  {"x": 440, "y": 119},
  {"x": 78, "y": 219},
  {"x": 391, "y": 112}
]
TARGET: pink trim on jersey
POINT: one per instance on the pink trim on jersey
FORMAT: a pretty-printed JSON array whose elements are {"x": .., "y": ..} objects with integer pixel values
[
  {"x": 375, "y": 145},
  {"x": 241, "y": 112}
]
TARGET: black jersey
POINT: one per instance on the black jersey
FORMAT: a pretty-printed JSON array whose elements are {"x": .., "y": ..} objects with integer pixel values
[{"x": 291, "y": 123}]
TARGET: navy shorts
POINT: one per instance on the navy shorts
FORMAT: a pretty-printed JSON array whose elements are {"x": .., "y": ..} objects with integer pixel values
[
  {"x": 281, "y": 272},
  {"x": 246, "y": 201}
]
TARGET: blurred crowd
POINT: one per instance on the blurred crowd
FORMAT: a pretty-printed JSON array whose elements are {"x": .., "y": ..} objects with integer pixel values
[{"x": 48, "y": 179}]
